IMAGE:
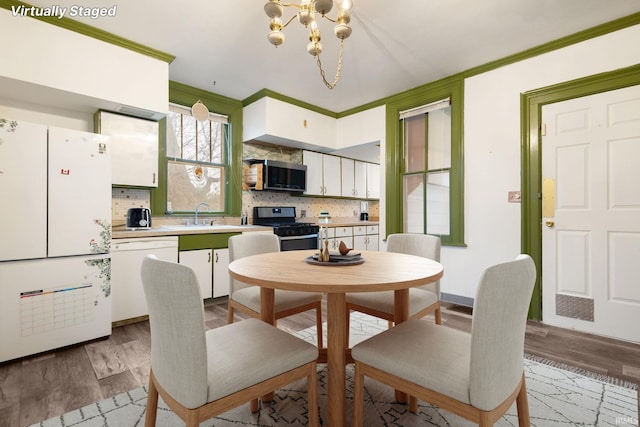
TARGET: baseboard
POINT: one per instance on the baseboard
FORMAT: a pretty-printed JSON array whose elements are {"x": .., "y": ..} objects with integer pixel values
[{"x": 456, "y": 299}]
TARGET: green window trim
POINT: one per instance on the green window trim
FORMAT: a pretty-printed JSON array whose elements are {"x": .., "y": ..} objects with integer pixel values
[
  {"x": 182, "y": 94},
  {"x": 452, "y": 88}
]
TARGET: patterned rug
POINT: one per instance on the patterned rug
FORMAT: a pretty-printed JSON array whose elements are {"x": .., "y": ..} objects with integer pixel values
[{"x": 557, "y": 397}]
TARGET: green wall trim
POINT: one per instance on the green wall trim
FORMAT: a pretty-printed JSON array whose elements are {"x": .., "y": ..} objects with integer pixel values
[
  {"x": 190, "y": 242},
  {"x": 183, "y": 94},
  {"x": 88, "y": 30},
  {"x": 284, "y": 98},
  {"x": 531, "y": 103}
]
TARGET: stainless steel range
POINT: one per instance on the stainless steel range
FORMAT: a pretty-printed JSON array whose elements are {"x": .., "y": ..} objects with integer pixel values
[{"x": 293, "y": 235}]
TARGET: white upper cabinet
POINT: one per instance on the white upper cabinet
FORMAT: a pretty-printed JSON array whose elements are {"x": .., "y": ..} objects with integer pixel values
[
  {"x": 360, "y": 180},
  {"x": 323, "y": 174},
  {"x": 373, "y": 181},
  {"x": 348, "y": 177},
  {"x": 134, "y": 145}
]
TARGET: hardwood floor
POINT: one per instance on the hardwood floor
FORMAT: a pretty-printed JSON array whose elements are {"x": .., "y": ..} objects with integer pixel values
[{"x": 37, "y": 388}]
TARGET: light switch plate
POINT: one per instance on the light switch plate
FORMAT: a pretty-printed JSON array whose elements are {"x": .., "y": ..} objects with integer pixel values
[{"x": 514, "y": 197}]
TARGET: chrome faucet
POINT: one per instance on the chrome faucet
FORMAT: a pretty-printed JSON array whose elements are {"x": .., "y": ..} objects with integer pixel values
[{"x": 198, "y": 207}]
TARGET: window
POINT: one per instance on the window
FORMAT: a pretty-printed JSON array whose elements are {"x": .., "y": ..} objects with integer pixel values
[
  {"x": 197, "y": 157},
  {"x": 426, "y": 139}
]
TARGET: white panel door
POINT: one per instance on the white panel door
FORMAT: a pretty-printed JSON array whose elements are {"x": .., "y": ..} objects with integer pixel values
[
  {"x": 79, "y": 193},
  {"x": 23, "y": 190},
  {"x": 591, "y": 214}
]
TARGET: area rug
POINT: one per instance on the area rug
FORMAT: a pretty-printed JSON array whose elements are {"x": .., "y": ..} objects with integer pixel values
[{"x": 557, "y": 397}]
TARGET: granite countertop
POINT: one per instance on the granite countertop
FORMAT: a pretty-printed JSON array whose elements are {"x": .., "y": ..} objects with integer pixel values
[
  {"x": 177, "y": 230},
  {"x": 119, "y": 231}
]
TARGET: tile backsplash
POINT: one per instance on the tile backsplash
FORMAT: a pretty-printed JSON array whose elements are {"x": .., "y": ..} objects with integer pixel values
[{"x": 125, "y": 198}]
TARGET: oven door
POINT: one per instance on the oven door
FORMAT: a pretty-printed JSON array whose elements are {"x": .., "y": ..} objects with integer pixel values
[{"x": 297, "y": 243}]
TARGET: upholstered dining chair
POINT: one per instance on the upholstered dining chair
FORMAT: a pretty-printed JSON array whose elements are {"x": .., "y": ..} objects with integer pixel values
[
  {"x": 200, "y": 374},
  {"x": 476, "y": 376},
  {"x": 422, "y": 300},
  {"x": 246, "y": 298}
]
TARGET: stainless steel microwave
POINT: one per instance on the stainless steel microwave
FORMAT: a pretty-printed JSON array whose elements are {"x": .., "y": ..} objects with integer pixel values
[{"x": 284, "y": 176}]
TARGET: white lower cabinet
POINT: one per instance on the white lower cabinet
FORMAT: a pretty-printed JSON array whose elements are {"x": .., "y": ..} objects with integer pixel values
[
  {"x": 211, "y": 268},
  {"x": 221, "y": 281},
  {"x": 201, "y": 262},
  {"x": 365, "y": 237}
]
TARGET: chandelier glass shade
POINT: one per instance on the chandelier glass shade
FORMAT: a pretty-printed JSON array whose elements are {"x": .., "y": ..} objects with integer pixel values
[{"x": 308, "y": 14}]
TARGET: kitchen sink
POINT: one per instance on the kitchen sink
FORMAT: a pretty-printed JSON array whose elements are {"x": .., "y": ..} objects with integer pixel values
[{"x": 199, "y": 227}]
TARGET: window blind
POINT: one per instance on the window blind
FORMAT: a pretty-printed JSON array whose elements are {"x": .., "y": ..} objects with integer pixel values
[{"x": 424, "y": 109}]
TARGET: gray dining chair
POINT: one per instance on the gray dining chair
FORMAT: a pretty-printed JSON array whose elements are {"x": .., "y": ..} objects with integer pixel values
[
  {"x": 246, "y": 298},
  {"x": 477, "y": 376},
  {"x": 200, "y": 374},
  {"x": 422, "y": 300}
]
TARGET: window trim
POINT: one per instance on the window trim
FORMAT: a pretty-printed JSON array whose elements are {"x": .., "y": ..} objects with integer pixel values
[
  {"x": 452, "y": 88},
  {"x": 185, "y": 95}
]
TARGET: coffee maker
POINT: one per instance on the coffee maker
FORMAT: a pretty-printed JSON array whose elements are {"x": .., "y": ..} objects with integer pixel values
[{"x": 364, "y": 211}]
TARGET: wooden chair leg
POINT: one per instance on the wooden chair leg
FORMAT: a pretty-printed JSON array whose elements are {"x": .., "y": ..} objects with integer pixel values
[
  {"x": 152, "y": 403},
  {"x": 230, "y": 314},
  {"x": 390, "y": 324},
  {"x": 358, "y": 397},
  {"x": 312, "y": 398},
  {"x": 347, "y": 329},
  {"x": 192, "y": 419},
  {"x": 413, "y": 405},
  {"x": 522, "y": 405},
  {"x": 438, "y": 315},
  {"x": 319, "y": 325}
]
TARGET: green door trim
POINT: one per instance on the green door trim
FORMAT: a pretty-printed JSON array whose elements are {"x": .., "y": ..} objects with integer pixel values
[{"x": 531, "y": 103}]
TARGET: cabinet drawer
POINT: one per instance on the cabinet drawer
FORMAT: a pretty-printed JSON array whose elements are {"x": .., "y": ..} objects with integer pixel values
[
  {"x": 372, "y": 229},
  {"x": 343, "y": 231},
  {"x": 359, "y": 230}
]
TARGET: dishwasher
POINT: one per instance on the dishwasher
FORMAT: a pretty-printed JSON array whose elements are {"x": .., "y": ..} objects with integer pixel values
[{"x": 127, "y": 295}]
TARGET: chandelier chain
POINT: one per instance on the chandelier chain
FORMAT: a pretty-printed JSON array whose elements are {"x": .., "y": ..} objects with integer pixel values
[{"x": 337, "y": 76}]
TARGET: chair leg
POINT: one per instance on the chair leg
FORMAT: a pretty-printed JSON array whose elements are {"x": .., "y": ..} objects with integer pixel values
[
  {"x": 312, "y": 398},
  {"x": 319, "y": 325},
  {"x": 152, "y": 403},
  {"x": 522, "y": 405},
  {"x": 347, "y": 328},
  {"x": 358, "y": 397},
  {"x": 413, "y": 404},
  {"x": 192, "y": 419},
  {"x": 390, "y": 324},
  {"x": 255, "y": 405},
  {"x": 438, "y": 315},
  {"x": 230, "y": 314}
]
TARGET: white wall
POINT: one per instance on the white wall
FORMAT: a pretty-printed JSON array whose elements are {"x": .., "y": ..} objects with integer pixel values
[
  {"x": 46, "y": 65},
  {"x": 492, "y": 148}
]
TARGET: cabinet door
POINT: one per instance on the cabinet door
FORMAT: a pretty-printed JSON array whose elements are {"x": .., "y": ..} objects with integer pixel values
[
  {"x": 331, "y": 175},
  {"x": 201, "y": 263},
  {"x": 372, "y": 242},
  {"x": 221, "y": 280},
  {"x": 373, "y": 181},
  {"x": 360, "y": 180},
  {"x": 313, "y": 161},
  {"x": 135, "y": 149},
  {"x": 348, "y": 178},
  {"x": 360, "y": 243}
]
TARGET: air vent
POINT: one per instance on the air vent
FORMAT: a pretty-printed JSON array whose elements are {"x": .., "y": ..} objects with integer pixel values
[{"x": 139, "y": 112}]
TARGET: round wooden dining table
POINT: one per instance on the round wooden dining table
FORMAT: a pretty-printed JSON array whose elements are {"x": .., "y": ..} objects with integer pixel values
[{"x": 380, "y": 271}]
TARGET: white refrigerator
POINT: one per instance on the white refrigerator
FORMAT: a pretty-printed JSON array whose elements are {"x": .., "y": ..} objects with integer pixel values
[{"x": 55, "y": 237}]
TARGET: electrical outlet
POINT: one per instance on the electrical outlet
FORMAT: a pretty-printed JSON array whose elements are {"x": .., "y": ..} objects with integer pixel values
[{"x": 514, "y": 197}]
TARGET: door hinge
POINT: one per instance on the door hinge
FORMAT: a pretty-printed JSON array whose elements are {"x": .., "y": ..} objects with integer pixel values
[{"x": 543, "y": 129}]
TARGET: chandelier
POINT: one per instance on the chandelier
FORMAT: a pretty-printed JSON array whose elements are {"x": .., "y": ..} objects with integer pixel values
[{"x": 307, "y": 12}]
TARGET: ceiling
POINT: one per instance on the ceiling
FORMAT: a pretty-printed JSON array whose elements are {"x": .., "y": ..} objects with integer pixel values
[{"x": 221, "y": 45}]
